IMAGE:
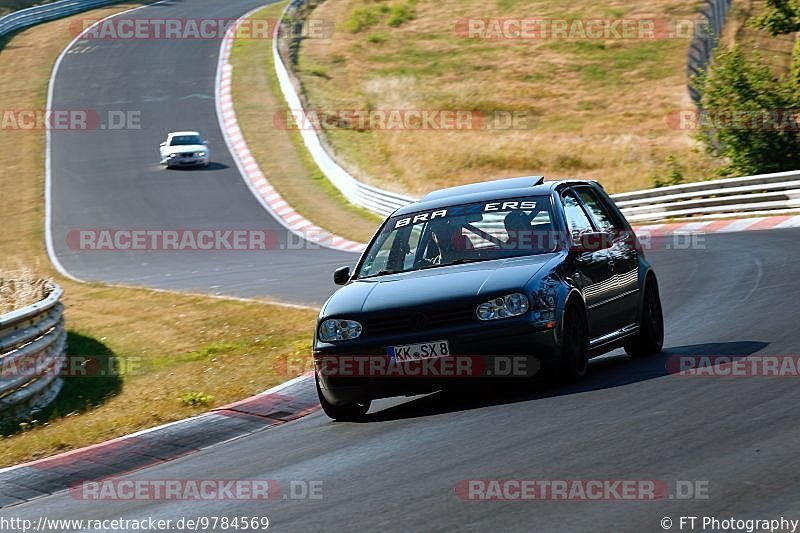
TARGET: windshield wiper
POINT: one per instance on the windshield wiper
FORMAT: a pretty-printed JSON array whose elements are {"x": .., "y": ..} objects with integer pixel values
[
  {"x": 455, "y": 262},
  {"x": 381, "y": 273},
  {"x": 463, "y": 261}
]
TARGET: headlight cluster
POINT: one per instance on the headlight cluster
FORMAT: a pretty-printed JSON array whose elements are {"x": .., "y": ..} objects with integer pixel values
[
  {"x": 201, "y": 154},
  {"x": 173, "y": 155},
  {"x": 515, "y": 304},
  {"x": 336, "y": 329},
  {"x": 544, "y": 300},
  {"x": 545, "y": 296}
]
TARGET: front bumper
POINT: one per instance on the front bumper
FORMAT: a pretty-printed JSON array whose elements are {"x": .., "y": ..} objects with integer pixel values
[
  {"x": 186, "y": 161},
  {"x": 361, "y": 369}
]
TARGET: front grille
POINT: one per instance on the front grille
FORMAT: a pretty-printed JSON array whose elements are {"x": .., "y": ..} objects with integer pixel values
[
  {"x": 417, "y": 321},
  {"x": 187, "y": 154}
]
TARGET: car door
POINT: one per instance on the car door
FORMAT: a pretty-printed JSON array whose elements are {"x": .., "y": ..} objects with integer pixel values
[
  {"x": 592, "y": 271},
  {"x": 624, "y": 257}
]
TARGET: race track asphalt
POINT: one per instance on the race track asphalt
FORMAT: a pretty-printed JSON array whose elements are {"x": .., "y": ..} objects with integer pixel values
[
  {"x": 729, "y": 294},
  {"x": 109, "y": 179}
]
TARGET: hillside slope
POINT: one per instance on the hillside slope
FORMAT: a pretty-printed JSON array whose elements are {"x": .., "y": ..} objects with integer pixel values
[{"x": 591, "y": 106}]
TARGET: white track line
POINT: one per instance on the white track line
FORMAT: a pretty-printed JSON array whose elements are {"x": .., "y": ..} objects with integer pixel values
[{"x": 48, "y": 176}]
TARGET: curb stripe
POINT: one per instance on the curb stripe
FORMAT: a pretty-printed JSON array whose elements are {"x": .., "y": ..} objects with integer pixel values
[{"x": 248, "y": 166}]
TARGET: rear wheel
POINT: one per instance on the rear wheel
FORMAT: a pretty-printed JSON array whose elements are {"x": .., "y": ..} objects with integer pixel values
[
  {"x": 575, "y": 345},
  {"x": 650, "y": 338},
  {"x": 344, "y": 412}
]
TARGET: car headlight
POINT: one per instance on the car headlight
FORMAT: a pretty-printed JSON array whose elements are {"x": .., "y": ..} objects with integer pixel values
[
  {"x": 545, "y": 297},
  {"x": 337, "y": 329},
  {"x": 173, "y": 155},
  {"x": 504, "y": 307},
  {"x": 201, "y": 154}
]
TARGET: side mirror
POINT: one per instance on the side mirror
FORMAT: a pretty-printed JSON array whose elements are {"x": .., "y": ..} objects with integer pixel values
[
  {"x": 592, "y": 241},
  {"x": 205, "y": 142},
  {"x": 341, "y": 275},
  {"x": 163, "y": 144}
]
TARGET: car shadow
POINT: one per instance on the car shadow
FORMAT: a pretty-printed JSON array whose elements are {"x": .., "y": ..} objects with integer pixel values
[
  {"x": 211, "y": 167},
  {"x": 91, "y": 376},
  {"x": 613, "y": 370}
]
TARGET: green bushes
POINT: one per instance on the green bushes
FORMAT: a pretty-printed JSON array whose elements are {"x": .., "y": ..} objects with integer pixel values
[
  {"x": 749, "y": 112},
  {"x": 748, "y": 115},
  {"x": 371, "y": 15}
]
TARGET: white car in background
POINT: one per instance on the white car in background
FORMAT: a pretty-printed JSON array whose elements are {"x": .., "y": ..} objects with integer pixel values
[{"x": 184, "y": 149}]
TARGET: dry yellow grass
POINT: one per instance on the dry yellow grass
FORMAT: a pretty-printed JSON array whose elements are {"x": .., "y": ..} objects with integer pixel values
[
  {"x": 20, "y": 288},
  {"x": 166, "y": 345},
  {"x": 280, "y": 152},
  {"x": 592, "y": 108}
]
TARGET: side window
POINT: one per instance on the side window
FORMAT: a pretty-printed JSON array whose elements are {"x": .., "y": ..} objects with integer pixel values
[
  {"x": 600, "y": 213},
  {"x": 577, "y": 221}
]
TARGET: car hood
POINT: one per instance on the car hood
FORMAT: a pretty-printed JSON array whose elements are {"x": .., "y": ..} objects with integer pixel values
[
  {"x": 434, "y": 286},
  {"x": 185, "y": 148}
]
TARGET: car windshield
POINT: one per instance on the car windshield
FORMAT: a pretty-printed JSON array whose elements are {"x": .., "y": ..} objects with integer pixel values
[
  {"x": 496, "y": 229},
  {"x": 186, "y": 140}
]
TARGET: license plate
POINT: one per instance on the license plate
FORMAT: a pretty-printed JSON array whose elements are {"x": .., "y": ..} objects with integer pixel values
[{"x": 416, "y": 352}]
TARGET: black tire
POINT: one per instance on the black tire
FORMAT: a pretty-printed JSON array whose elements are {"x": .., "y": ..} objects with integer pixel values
[
  {"x": 574, "y": 362},
  {"x": 345, "y": 412},
  {"x": 650, "y": 338}
]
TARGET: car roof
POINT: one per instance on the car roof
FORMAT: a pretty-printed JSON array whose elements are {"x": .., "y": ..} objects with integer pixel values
[
  {"x": 176, "y": 133},
  {"x": 487, "y": 191}
]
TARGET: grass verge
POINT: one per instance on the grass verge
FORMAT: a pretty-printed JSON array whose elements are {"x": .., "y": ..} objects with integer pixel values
[
  {"x": 176, "y": 354},
  {"x": 262, "y": 114},
  {"x": 586, "y": 107}
]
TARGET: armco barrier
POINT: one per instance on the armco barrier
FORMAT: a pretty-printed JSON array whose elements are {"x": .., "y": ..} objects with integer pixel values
[
  {"x": 33, "y": 344},
  {"x": 712, "y": 14},
  {"x": 763, "y": 194},
  {"x": 34, "y": 15}
]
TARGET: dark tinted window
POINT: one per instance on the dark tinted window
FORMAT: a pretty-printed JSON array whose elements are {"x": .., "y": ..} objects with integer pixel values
[
  {"x": 577, "y": 221},
  {"x": 186, "y": 140},
  {"x": 602, "y": 216},
  {"x": 481, "y": 231}
]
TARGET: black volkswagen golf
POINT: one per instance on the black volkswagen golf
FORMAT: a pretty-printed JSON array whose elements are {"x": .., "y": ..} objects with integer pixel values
[{"x": 508, "y": 277}]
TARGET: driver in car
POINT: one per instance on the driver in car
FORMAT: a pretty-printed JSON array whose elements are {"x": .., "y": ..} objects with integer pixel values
[{"x": 447, "y": 242}]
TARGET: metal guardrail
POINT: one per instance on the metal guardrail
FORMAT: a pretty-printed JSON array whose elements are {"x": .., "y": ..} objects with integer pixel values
[
  {"x": 712, "y": 14},
  {"x": 33, "y": 343},
  {"x": 37, "y": 14},
  {"x": 753, "y": 195}
]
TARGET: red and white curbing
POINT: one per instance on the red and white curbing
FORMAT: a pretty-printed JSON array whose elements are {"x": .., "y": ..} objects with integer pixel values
[
  {"x": 719, "y": 226},
  {"x": 279, "y": 405},
  {"x": 248, "y": 166}
]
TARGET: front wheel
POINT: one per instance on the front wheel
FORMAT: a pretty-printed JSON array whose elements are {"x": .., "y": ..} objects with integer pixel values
[
  {"x": 650, "y": 338},
  {"x": 345, "y": 412},
  {"x": 574, "y": 362}
]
